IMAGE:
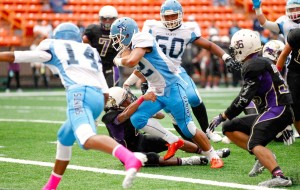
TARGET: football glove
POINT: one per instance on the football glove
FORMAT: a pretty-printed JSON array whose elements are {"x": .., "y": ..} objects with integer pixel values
[
  {"x": 144, "y": 87},
  {"x": 288, "y": 135},
  {"x": 232, "y": 65},
  {"x": 214, "y": 123},
  {"x": 256, "y": 4}
]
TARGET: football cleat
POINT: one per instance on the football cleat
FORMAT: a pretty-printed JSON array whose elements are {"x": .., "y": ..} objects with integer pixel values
[
  {"x": 172, "y": 148},
  {"x": 277, "y": 181},
  {"x": 214, "y": 136},
  {"x": 226, "y": 140},
  {"x": 197, "y": 160},
  {"x": 258, "y": 168},
  {"x": 216, "y": 163},
  {"x": 223, "y": 153},
  {"x": 132, "y": 167}
]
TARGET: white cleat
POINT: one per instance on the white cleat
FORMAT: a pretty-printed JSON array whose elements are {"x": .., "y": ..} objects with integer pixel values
[
  {"x": 226, "y": 140},
  {"x": 131, "y": 172},
  {"x": 214, "y": 136}
]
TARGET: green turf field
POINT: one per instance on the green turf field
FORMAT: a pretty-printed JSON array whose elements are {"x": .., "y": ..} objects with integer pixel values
[{"x": 29, "y": 122}]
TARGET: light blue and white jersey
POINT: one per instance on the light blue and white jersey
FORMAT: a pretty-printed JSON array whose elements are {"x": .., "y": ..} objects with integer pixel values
[
  {"x": 173, "y": 43},
  {"x": 76, "y": 63},
  {"x": 285, "y": 25},
  {"x": 159, "y": 71}
]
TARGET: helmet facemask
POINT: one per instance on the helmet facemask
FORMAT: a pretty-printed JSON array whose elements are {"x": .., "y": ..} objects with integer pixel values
[
  {"x": 166, "y": 19},
  {"x": 293, "y": 12}
]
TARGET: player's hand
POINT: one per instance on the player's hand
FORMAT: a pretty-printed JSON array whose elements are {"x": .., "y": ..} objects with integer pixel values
[
  {"x": 215, "y": 122},
  {"x": 150, "y": 96},
  {"x": 256, "y": 4},
  {"x": 144, "y": 87},
  {"x": 288, "y": 135},
  {"x": 126, "y": 87},
  {"x": 232, "y": 65}
]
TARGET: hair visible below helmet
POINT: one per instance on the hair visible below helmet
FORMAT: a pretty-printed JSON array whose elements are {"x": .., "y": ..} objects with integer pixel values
[
  {"x": 67, "y": 31},
  {"x": 292, "y": 9},
  {"x": 245, "y": 42},
  {"x": 117, "y": 96},
  {"x": 107, "y": 15},
  {"x": 122, "y": 31},
  {"x": 171, "y": 7},
  {"x": 272, "y": 49}
]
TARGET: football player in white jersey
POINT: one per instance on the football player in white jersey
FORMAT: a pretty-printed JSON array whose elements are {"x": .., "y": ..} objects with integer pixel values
[
  {"x": 283, "y": 25},
  {"x": 140, "y": 50},
  {"x": 173, "y": 35},
  {"x": 80, "y": 69}
]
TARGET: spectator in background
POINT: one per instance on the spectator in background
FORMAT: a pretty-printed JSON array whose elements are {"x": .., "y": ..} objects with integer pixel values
[
  {"x": 81, "y": 26},
  {"x": 213, "y": 30},
  {"x": 234, "y": 28},
  {"x": 190, "y": 53},
  {"x": 13, "y": 72},
  {"x": 58, "y": 6},
  {"x": 45, "y": 5},
  {"x": 265, "y": 36},
  {"x": 42, "y": 27},
  {"x": 220, "y": 2},
  {"x": 38, "y": 69}
]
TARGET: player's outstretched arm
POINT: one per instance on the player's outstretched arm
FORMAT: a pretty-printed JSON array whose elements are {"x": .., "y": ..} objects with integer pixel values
[
  {"x": 7, "y": 56},
  {"x": 283, "y": 56}
]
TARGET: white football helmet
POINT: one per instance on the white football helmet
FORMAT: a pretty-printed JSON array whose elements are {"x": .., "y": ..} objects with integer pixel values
[
  {"x": 245, "y": 42},
  {"x": 117, "y": 96},
  {"x": 171, "y": 7},
  {"x": 292, "y": 9},
  {"x": 272, "y": 49},
  {"x": 107, "y": 15}
]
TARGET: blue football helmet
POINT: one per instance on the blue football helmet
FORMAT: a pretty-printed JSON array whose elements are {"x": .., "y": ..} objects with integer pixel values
[
  {"x": 171, "y": 7},
  {"x": 67, "y": 31},
  {"x": 293, "y": 9},
  {"x": 121, "y": 32}
]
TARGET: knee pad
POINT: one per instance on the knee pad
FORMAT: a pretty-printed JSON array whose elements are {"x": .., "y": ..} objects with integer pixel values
[
  {"x": 83, "y": 133},
  {"x": 190, "y": 130},
  {"x": 63, "y": 153},
  {"x": 153, "y": 159},
  {"x": 227, "y": 126}
]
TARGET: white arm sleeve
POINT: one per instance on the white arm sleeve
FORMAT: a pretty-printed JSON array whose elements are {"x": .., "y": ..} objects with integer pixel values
[
  {"x": 32, "y": 56},
  {"x": 273, "y": 26}
]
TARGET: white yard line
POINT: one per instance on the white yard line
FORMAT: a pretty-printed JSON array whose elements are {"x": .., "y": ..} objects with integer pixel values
[
  {"x": 143, "y": 175},
  {"x": 61, "y": 122}
]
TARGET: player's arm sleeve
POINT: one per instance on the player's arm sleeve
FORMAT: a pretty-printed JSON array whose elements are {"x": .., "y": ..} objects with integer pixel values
[
  {"x": 32, "y": 56},
  {"x": 246, "y": 94}
]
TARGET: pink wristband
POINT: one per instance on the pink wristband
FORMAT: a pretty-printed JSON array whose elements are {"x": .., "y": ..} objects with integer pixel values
[{"x": 140, "y": 100}]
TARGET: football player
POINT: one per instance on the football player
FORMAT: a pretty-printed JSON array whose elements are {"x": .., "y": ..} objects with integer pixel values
[
  {"x": 173, "y": 35},
  {"x": 142, "y": 51},
  {"x": 97, "y": 35},
  {"x": 293, "y": 75},
  {"x": 282, "y": 26},
  {"x": 80, "y": 70},
  {"x": 264, "y": 84},
  {"x": 119, "y": 108}
]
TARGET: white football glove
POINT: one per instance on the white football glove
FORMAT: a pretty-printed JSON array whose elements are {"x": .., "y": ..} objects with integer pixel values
[{"x": 288, "y": 135}]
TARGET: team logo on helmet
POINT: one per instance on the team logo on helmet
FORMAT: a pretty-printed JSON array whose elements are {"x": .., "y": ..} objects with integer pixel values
[{"x": 122, "y": 27}]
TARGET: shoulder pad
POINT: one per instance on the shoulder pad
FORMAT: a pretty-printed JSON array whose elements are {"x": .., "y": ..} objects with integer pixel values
[
  {"x": 110, "y": 116},
  {"x": 282, "y": 18},
  {"x": 293, "y": 38},
  {"x": 191, "y": 25},
  {"x": 142, "y": 39},
  {"x": 45, "y": 44},
  {"x": 254, "y": 67}
]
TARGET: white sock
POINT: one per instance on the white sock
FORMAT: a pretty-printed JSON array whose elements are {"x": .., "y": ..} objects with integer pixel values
[
  {"x": 153, "y": 127},
  {"x": 184, "y": 161},
  {"x": 210, "y": 154}
]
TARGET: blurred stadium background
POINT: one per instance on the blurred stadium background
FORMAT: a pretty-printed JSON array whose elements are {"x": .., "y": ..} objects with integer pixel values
[{"x": 18, "y": 17}]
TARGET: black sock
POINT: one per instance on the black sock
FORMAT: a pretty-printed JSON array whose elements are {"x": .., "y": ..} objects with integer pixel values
[
  {"x": 277, "y": 172},
  {"x": 201, "y": 116}
]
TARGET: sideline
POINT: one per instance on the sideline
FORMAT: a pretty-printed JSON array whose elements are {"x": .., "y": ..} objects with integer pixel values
[{"x": 143, "y": 175}]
